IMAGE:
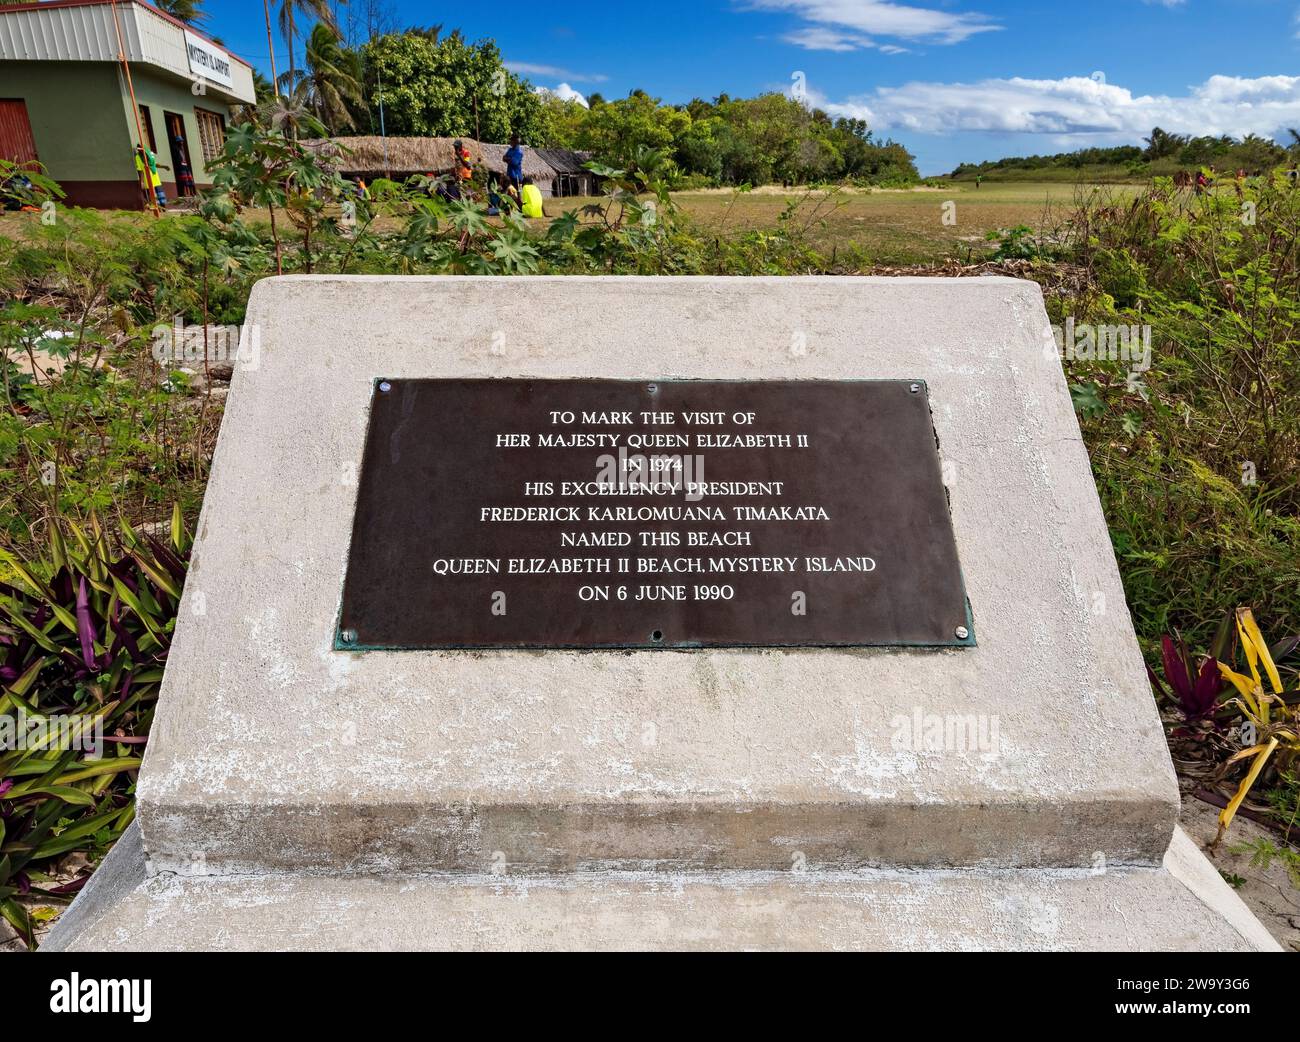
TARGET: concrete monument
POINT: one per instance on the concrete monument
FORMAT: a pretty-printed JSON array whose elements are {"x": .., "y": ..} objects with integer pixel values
[{"x": 435, "y": 686}]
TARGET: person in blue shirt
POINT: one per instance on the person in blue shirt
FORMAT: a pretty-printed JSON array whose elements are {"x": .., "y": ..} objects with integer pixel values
[{"x": 515, "y": 163}]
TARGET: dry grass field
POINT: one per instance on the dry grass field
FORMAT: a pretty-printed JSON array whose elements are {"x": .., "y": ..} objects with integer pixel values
[
  {"x": 888, "y": 226},
  {"x": 895, "y": 226}
]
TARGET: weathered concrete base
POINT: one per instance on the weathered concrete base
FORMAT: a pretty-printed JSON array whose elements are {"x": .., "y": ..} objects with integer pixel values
[{"x": 1182, "y": 905}]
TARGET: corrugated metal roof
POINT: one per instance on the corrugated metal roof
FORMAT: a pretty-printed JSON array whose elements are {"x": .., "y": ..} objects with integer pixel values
[
  {"x": 64, "y": 34},
  {"x": 158, "y": 41},
  {"x": 83, "y": 30}
]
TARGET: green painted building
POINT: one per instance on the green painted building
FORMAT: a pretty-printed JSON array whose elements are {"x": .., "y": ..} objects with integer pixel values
[{"x": 65, "y": 100}]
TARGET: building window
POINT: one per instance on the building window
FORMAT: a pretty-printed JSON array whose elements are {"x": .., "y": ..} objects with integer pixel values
[
  {"x": 147, "y": 124},
  {"x": 212, "y": 133}
]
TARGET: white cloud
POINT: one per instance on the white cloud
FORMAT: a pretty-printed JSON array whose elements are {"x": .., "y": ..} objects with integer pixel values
[
  {"x": 1078, "y": 109},
  {"x": 820, "y": 38},
  {"x": 1166, "y": 3},
  {"x": 850, "y": 19},
  {"x": 564, "y": 92},
  {"x": 554, "y": 72}
]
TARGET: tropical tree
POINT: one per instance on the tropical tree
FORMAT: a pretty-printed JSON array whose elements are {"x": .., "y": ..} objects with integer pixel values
[
  {"x": 188, "y": 11},
  {"x": 1161, "y": 143},
  {"x": 561, "y": 120},
  {"x": 330, "y": 86},
  {"x": 321, "y": 10},
  {"x": 443, "y": 86},
  {"x": 615, "y": 130}
]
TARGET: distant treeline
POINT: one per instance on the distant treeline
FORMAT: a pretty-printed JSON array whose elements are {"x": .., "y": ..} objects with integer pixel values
[
  {"x": 1164, "y": 153},
  {"x": 767, "y": 139},
  {"x": 427, "y": 82}
]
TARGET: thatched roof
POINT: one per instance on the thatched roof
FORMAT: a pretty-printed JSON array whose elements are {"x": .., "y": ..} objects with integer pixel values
[
  {"x": 534, "y": 165},
  {"x": 565, "y": 160},
  {"x": 372, "y": 155}
]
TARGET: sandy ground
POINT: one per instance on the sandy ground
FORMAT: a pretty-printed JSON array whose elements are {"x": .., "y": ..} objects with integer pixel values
[{"x": 1269, "y": 893}]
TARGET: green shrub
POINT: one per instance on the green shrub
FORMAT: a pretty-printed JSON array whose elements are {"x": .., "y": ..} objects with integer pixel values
[
  {"x": 1198, "y": 459},
  {"x": 84, "y": 635},
  {"x": 88, "y": 421}
]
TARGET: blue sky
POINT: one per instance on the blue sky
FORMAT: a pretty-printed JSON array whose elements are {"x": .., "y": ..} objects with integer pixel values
[{"x": 954, "y": 80}]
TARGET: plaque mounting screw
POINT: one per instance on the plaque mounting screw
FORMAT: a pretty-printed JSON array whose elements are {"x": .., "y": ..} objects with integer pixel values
[
  {"x": 384, "y": 387},
  {"x": 962, "y": 632},
  {"x": 349, "y": 636},
  {"x": 915, "y": 388},
  {"x": 653, "y": 388}
]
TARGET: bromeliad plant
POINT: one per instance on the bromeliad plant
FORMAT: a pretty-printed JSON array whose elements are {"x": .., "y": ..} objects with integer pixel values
[
  {"x": 1195, "y": 689},
  {"x": 1259, "y": 725},
  {"x": 1272, "y": 715},
  {"x": 84, "y": 635}
]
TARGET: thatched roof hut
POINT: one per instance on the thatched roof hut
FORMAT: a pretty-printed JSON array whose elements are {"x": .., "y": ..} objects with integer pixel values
[
  {"x": 571, "y": 176},
  {"x": 555, "y": 171},
  {"x": 535, "y": 166},
  {"x": 374, "y": 156},
  {"x": 565, "y": 160}
]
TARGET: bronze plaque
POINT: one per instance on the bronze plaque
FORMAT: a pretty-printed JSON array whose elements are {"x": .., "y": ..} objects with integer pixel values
[{"x": 640, "y": 514}]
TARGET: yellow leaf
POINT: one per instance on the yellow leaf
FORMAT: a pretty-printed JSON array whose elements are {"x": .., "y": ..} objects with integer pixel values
[
  {"x": 1229, "y": 812},
  {"x": 1251, "y": 630},
  {"x": 1252, "y": 652},
  {"x": 1241, "y": 754},
  {"x": 1243, "y": 685}
]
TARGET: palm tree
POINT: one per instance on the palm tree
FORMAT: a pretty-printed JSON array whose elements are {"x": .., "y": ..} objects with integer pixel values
[
  {"x": 289, "y": 114},
  {"x": 331, "y": 82},
  {"x": 188, "y": 11},
  {"x": 318, "y": 9},
  {"x": 1161, "y": 143}
]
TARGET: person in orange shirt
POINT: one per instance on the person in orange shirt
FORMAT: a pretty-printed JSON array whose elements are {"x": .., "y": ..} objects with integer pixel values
[{"x": 464, "y": 170}]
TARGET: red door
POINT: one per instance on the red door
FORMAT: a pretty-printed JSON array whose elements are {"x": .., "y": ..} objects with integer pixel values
[{"x": 16, "y": 141}]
